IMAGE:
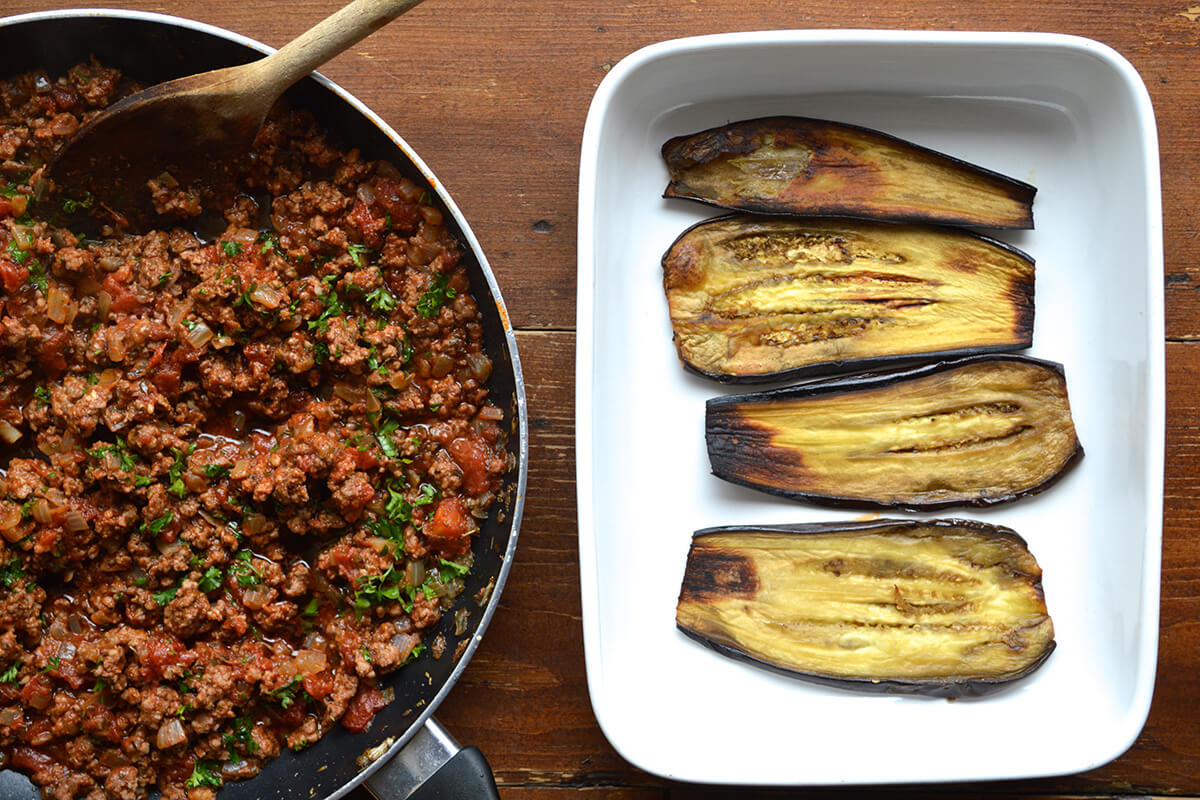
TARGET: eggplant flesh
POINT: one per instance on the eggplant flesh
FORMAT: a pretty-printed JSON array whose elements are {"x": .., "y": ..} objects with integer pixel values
[
  {"x": 974, "y": 431},
  {"x": 796, "y": 165},
  {"x": 948, "y": 608},
  {"x": 754, "y": 298}
]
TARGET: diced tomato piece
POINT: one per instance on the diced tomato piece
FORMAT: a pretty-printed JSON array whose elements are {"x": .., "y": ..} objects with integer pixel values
[
  {"x": 161, "y": 653},
  {"x": 50, "y": 353},
  {"x": 361, "y": 709},
  {"x": 472, "y": 455},
  {"x": 39, "y": 686},
  {"x": 12, "y": 274},
  {"x": 168, "y": 373},
  {"x": 124, "y": 299},
  {"x": 318, "y": 685},
  {"x": 450, "y": 529},
  {"x": 369, "y": 223},
  {"x": 365, "y": 459},
  {"x": 404, "y": 213}
]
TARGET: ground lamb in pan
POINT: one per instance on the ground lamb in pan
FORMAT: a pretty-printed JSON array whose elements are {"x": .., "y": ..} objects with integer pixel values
[{"x": 240, "y": 477}]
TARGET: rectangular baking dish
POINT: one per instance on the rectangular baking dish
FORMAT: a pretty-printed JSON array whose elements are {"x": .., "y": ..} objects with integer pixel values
[{"x": 1067, "y": 114}]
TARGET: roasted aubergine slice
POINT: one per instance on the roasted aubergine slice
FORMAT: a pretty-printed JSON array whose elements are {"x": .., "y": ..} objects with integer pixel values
[
  {"x": 753, "y": 298},
  {"x": 974, "y": 431},
  {"x": 794, "y": 165},
  {"x": 941, "y": 607}
]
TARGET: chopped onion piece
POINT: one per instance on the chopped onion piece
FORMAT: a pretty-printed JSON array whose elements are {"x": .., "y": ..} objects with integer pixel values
[
  {"x": 103, "y": 304},
  {"x": 178, "y": 312},
  {"x": 414, "y": 573},
  {"x": 8, "y": 433},
  {"x": 200, "y": 335},
  {"x": 254, "y": 523},
  {"x": 266, "y": 296},
  {"x": 170, "y": 734},
  {"x": 40, "y": 510},
  {"x": 309, "y": 662},
  {"x": 351, "y": 394},
  {"x": 256, "y": 597},
  {"x": 442, "y": 364},
  {"x": 75, "y": 522},
  {"x": 480, "y": 365},
  {"x": 56, "y": 304},
  {"x": 491, "y": 413},
  {"x": 23, "y": 236}
]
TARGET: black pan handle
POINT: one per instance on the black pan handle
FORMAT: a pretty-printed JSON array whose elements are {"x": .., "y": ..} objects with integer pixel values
[{"x": 432, "y": 766}]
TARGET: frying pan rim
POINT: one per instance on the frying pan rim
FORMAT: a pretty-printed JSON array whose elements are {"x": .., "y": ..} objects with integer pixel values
[{"x": 522, "y": 466}]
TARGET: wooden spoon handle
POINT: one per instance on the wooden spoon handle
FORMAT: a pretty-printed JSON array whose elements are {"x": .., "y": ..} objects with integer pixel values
[{"x": 326, "y": 39}]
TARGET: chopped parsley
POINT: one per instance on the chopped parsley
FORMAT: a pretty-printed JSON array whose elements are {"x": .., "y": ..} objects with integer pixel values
[
  {"x": 381, "y": 300},
  {"x": 215, "y": 470},
  {"x": 415, "y": 654},
  {"x": 126, "y": 458},
  {"x": 210, "y": 580},
  {"x": 428, "y": 494},
  {"x": 155, "y": 527},
  {"x": 313, "y": 606},
  {"x": 70, "y": 205},
  {"x": 37, "y": 274},
  {"x": 270, "y": 242},
  {"x": 42, "y": 394},
  {"x": 243, "y": 571},
  {"x": 231, "y": 249},
  {"x": 162, "y": 279},
  {"x": 357, "y": 251},
  {"x": 451, "y": 569},
  {"x": 334, "y": 307},
  {"x": 320, "y": 353},
  {"x": 383, "y": 435},
  {"x": 176, "y": 486},
  {"x": 435, "y": 297},
  {"x": 11, "y": 572},
  {"x": 243, "y": 734},
  {"x": 165, "y": 596},
  {"x": 17, "y": 253},
  {"x": 10, "y": 675},
  {"x": 204, "y": 774},
  {"x": 286, "y": 694},
  {"x": 52, "y": 664}
]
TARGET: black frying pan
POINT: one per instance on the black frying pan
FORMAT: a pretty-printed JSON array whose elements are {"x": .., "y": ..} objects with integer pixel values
[{"x": 151, "y": 48}]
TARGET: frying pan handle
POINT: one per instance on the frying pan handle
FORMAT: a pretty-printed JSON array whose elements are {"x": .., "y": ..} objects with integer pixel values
[{"x": 433, "y": 766}]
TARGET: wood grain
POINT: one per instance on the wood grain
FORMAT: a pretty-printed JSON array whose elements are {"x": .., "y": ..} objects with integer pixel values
[{"x": 493, "y": 94}]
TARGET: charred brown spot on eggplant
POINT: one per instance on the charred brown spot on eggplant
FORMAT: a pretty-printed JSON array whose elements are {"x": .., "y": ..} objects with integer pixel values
[
  {"x": 753, "y": 298},
  {"x": 975, "y": 431},
  {"x": 941, "y": 607},
  {"x": 795, "y": 165}
]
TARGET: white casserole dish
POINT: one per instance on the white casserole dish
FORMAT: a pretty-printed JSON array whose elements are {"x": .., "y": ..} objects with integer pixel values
[{"x": 1067, "y": 114}]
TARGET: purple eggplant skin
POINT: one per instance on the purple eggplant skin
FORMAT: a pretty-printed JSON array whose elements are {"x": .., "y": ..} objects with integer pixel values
[
  {"x": 949, "y": 689},
  {"x": 839, "y": 169},
  {"x": 1020, "y": 294},
  {"x": 732, "y": 445}
]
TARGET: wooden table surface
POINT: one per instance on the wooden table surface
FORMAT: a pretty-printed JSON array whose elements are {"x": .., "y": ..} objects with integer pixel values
[{"x": 493, "y": 94}]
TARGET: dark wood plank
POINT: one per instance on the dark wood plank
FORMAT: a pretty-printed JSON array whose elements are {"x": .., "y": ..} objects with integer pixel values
[{"x": 493, "y": 94}]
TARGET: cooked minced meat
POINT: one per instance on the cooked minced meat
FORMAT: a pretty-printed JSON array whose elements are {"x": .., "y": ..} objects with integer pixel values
[{"x": 240, "y": 477}]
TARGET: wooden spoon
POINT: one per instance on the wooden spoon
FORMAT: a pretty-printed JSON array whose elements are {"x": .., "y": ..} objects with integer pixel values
[{"x": 189, "y": 131}]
